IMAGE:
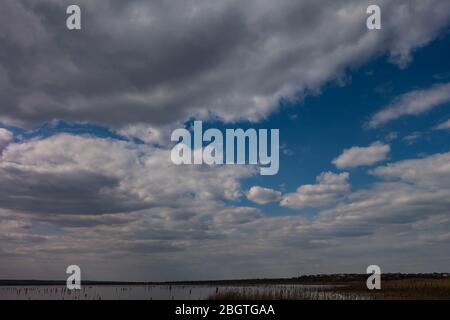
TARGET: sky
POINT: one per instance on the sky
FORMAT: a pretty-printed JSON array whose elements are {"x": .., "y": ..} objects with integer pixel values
[{"x": 86, "y": 118}]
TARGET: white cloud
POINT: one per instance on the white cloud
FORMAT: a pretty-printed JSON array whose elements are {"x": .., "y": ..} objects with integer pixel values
[
  {"x": 412, "y": 103},
  {"x": 362, "y": 156},
  {"x": 414, "y": 193},
  {"x": 328, "y": 189},
  {"x": 443, "y": 126},
  {"x": 5, "y": 137},
  {"x": 432, "y": 171},
  {"x": 262, "y": 195}
]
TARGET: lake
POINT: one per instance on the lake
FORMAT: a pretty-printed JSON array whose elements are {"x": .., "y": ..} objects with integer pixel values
[{"x": 161, "y": 292}]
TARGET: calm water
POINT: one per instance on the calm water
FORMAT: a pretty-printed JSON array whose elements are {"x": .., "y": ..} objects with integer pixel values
[{"x": 155, "y": 292}]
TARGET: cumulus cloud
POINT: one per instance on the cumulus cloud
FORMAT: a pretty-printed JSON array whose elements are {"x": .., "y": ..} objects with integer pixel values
[
  {"x": 5, "y": 137},
  {"x": 362, "y": 156},
  {"x": 156, "y": 63},
  {"x": 413, "y": 194},
  {"x": 328, "y": 189},
  {"x": 432, "y": 171},
  {"x": 87, "y": 175},
  {"x": 412, "y": 103},
  {"x": 262, "y": 195}
]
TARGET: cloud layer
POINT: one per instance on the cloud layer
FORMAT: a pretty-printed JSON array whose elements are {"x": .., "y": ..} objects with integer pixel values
[
  {"x": 157, "y": 63},
  {"x": 187, "y": 222}
]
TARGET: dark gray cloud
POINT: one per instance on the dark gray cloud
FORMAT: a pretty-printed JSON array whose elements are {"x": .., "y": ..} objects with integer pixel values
[
  {"x": 157, "y": 62},
  {"x": 74, "y": 192}
]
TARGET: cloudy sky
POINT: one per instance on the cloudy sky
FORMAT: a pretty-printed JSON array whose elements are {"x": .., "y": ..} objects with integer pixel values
[{"x": 86, "y": 118}]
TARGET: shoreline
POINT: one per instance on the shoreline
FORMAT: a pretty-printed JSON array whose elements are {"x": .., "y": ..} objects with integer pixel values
[{"x": 328, "y": 279}]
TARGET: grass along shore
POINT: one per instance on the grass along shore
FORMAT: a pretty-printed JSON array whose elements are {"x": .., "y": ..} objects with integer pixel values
[{"x": 404, "y": 289}]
